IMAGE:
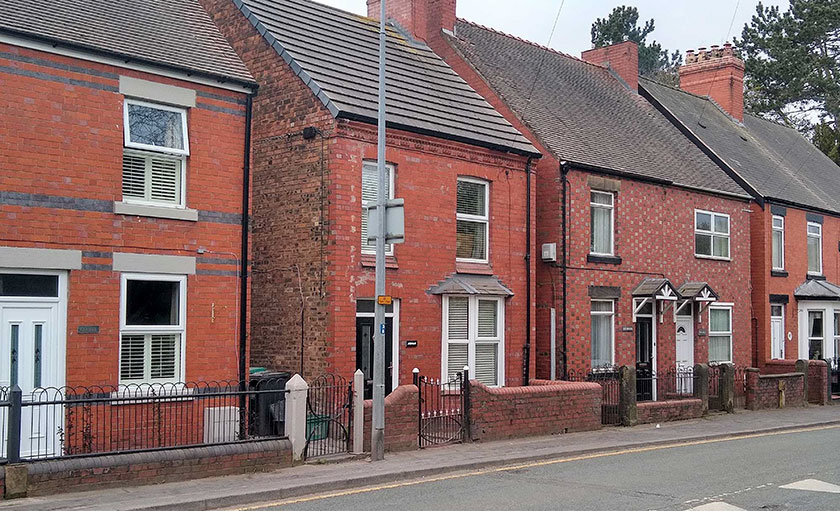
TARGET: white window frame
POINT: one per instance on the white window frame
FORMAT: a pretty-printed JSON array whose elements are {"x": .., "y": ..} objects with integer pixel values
[
  {"x": 179, "y": 329},
  {"x": 780, "y": 230},
  {"x": 819, "y": 237},
  {"x": 611, "y": 314},
  {"x": 712, "y": 234},
  {"x": 472, "y": 336},
  {"x": 727, "y": 307},
  {"x": 611, "y": 208},
  {"x": 485, "y": 219},
  {"x": 148, "y": 147},
  {"x": 823, "y": 339},
  {"x": 782, "y": 339},
  {"x": 389, "y": 247}
]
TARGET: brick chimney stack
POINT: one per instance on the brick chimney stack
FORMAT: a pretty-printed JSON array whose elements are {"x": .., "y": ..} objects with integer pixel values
[
  {"x": 622, "y": 58},
  {"x": 423, "y": 19},
  {"x": 717, "y": 73}
]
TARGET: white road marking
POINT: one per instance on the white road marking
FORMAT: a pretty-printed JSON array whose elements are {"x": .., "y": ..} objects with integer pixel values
[
  {"x": 812, "y": 485},
  {"x": 716, "y": 506}
]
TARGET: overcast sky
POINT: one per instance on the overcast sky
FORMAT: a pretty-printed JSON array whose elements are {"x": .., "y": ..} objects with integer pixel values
[{"x": 680, "y": 24}]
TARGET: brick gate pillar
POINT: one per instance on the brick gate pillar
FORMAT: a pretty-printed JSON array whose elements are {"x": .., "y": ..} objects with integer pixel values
[
  {"x": 701, "y": 385},
  {"x": 627, "y": 396}
]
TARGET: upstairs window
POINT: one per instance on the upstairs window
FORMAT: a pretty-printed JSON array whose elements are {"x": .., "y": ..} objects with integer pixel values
[
  {"x": 156, "y": 146},
  {"x": 778, "y": 242},
  {"x": 601, "y": 207},
  {"x": 370, "y": 190},
  {"x": 711, "y": 235},
  {"x": 472, "y": 220},
  {"x": 814, "y": 248}
]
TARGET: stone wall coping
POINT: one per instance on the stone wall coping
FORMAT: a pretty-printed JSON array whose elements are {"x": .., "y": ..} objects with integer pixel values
[
  {"x": 670, "y": 402},
  {"x": 779, "y": 376},
  {"x": 562, "y": 387},
  {"x": 162, "y": 456}
]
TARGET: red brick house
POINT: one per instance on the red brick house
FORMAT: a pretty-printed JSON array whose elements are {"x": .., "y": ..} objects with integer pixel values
[
  {"x": 123, "y": 151},
  {"x": 645, "y": 241},
  {"x": 795, "y": 225},
  {"x": 460, "y": 282}
]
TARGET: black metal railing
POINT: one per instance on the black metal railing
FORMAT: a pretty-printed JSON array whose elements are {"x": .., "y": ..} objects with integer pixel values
[
  {"x": 607, "y": 377},
  {"x": 441, "y": 409},
  {"x": 673, "y": 383},
  {"x": 329, "y": 413},
  {"x": 62, "y": 422}
]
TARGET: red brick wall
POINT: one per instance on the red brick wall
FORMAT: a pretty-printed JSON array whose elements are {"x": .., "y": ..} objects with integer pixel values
[
  {"x": 512, "y": 412},
  {"x": 422, "y": 18},
  {"x": 401, "y": 416},
  {"x": 666, "y": 411},
  {"x": 87, "y": 474},
  {"x": 299, "y": 183},
  {"x": 763, "y": 390},
  {"x": 654, "y": 236},
  {"x": 61, "y": 135},
  {"x": 796, "y": 265},
  {"x": 818, "y": 374},
  {"x": 720, "y": 78}
]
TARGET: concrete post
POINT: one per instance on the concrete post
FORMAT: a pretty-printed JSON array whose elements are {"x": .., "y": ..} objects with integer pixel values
[
  {"x": 802, "y": 367},
  {"x": 358, "y": 412},
  {"x": 701, "y": 385},
  {"x": 296, "y": 415},
  {"x": 627, "y": 396},
  {"x": 727, "y": 387}
]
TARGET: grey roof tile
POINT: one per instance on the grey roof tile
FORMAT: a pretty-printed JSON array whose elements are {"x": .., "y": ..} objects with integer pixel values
[
  {"x": 337, "y": 53},
  {"x": 173, "y": 33},
  {"x": 464, "y": 283},
  {"x": 817, "y": 290},
  {"x": 583, "y": 114},
  {"x": 778, "y": 162}
]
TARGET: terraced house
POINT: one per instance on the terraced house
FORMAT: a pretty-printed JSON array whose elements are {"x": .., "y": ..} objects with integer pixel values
[
  {"x": 795, "y": 227},
  {"x": 461, "y": 282},
  {"x": 645, "y": 241},
  {"x": 122, "y": 149}
]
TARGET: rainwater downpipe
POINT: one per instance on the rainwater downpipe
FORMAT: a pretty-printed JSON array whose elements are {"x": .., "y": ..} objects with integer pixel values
[
  {"x": 564, "y": 170},
  {"x": 243, "y": 272},
  {"x": 527, "y": 362}
]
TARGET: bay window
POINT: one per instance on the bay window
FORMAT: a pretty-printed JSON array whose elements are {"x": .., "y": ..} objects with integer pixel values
[{"x": 474, "y": 337}]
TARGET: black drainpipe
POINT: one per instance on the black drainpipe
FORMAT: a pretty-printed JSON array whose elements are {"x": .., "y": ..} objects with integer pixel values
[
  {"x": 564, "y": 170},
  {"x": 527, "y": 363},
  {"x": 243, "y": 272}
]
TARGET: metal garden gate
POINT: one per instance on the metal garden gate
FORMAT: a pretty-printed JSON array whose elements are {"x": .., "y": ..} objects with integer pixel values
[
  {"x": 329, "y": 413},
  {"x": 610, "y": 392},
  {"x": 441, "y": 410}
]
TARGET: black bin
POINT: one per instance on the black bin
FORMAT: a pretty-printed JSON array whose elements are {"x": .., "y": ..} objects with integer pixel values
[{"x": 268, "y": 408}]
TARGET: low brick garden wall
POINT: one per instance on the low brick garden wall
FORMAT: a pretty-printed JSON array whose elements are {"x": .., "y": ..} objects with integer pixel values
[
  {"x": 818, "y": 375},
  {"x": 94, "y": 473},
  {"x": 544, "y": 408},
  {"x": 649, "y": 412},
  {"x": 401, "y": 409},
  {"x": 764, "y": 390}
]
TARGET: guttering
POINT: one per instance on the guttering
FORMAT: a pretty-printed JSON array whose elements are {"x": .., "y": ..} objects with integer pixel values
[
  {"x": 526, "y": 376},
  {"x": 783, "y": 202},
  {"x": 243, "y": 272}
]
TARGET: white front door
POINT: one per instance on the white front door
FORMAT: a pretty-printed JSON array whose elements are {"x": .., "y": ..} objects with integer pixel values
[
  {"x": 685, "y": 351},
  {"x": 30, "y": 351},
  {"x": 777, "y": 332}
]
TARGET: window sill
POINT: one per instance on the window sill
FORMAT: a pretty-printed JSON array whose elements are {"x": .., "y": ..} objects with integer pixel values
[
  {"x": 473, "y": 268},
  {"x": 128, "y": 208},
  {"x": 811, "y": 276},
  {"x": 778, "y": 273},
  {"x": 369, "y": 261},
  {"x": 713, "y": 258},
  {"x": 603, "y": 259}
]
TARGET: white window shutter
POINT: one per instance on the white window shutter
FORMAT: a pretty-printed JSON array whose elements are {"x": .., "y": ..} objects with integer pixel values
[
  {"x": 131, "y": 357},
  {"x": 164, "y": 357},
  {"x": 487, "y": 318},
  {"x": 458, "y": 324},
  {"x": 457, "y": 358},
  {"x": 486, "y": 362},
  {"x": 134, "y": 176},
  {"x": 165, "y": 181}
]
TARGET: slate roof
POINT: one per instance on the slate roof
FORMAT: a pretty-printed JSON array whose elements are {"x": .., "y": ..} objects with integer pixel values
[
  {"x": 583, "y": 114},
  {"x": 336, "y": 53},
  {"x": 463, "y": 283},
  {"x": 817, "y": 290},
  {"x": 776, "y": 161},
  {"x": 177, "y": 34}
]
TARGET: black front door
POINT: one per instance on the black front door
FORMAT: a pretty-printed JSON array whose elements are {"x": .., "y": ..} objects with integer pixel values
[
  {"x": 644, "y": 359},
  {"x": 364, "y": 352}
]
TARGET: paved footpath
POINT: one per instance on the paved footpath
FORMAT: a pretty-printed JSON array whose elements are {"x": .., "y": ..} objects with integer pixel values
[{"x": 214, "y": 493}]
